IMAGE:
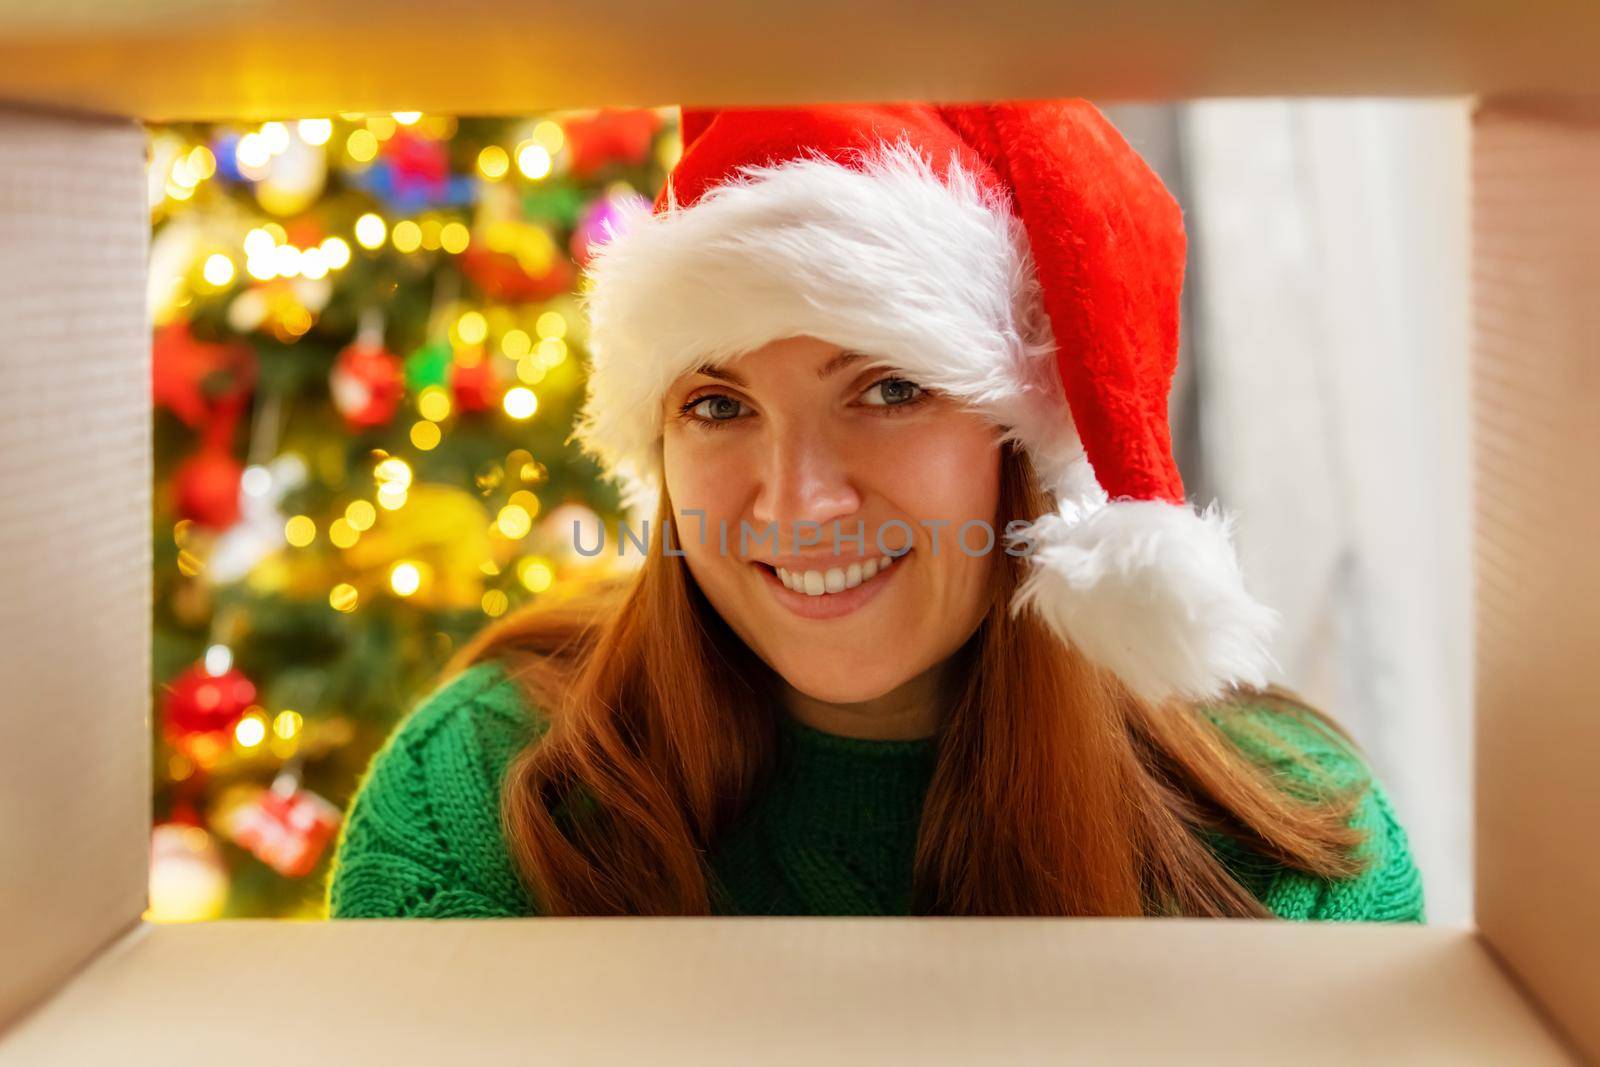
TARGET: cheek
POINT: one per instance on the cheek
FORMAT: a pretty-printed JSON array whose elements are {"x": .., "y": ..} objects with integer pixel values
[
  {"x": 699, "y": 474},
  {"x": 948, "y": 475},
  {"x": 947, "y": 468},
  {"x": 704, "y": 477}
]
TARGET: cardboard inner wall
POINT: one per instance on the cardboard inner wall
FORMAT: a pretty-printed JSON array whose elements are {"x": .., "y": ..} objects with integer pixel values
[
  {"x": 1536, "y": 381},
  {"x": 74, "y": 544}
]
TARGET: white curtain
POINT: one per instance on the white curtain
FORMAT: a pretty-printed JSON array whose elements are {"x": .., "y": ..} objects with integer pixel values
[{"x": 1327, "y": 391}]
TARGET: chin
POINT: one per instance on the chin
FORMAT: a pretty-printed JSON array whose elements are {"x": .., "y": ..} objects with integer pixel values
[{"x": 835, "y": 686}]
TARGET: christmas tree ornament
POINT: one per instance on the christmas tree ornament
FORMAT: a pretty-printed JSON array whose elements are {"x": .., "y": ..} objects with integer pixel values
[
  {"x": 443, "y": 529},
  {"x": 610, "y": 135},
  {"x": 188, "y": 880},
  {"x": 197, "y": 380},
  {"x": 419, "y": 168},
  {"x": 474, "y": 385},
  {"x": 206, "y": 487},
  {"x": 199, "y": 711},
  {"x": 259, "y": 530},
  {"x": 367, "y": 381},
  {"x": 225, "y": 149},
  {"x": 1019, "y": 257},
  {"x": 429, "y": 365},
  {"x": 559, "y": 205},
  {"x": 287, "y": 827},
  {"x": 412, "y": 174},
  {"x": 305, "y": 231},
  {"x": 510, "y": 277},
  {"x": 600, "y": 220}
]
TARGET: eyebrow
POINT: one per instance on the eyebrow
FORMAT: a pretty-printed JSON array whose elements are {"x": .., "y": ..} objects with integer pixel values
[{"x": 842, "y": 359}]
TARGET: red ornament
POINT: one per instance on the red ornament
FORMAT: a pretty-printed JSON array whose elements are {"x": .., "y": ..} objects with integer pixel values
[
  {"x": 610, "y": 134},
  {"x": 199, "y": 380},
  {"x": 367, "y": 383},
  {"x": 421, "y": 165},
  {"x": 473, "y": 381},
  {"x": 286, "y": 827},
  {"x": 201, "y": 709},
  {"x": 499, "y": 275},
  {"x": 206, "y": 487}
]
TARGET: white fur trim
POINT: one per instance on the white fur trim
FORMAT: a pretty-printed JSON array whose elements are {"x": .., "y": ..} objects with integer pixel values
[
  {"x": 932, "y": 277},
  {"x": 1152, "y": 592}
]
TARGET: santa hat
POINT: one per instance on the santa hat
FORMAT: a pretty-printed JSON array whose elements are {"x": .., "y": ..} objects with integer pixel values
[{"x": 1019, "y": 256}]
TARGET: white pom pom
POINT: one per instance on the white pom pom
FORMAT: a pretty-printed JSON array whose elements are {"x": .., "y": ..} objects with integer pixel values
[{"x": 1152, "y": 592}]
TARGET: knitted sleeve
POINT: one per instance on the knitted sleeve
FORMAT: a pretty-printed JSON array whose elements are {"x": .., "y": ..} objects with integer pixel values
[
  {"x": 422, "y": 836},
  {"x": 1390, "y": 888}
]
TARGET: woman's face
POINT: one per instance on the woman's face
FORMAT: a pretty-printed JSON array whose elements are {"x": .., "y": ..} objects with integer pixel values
[{"x": 796, "y": 444}]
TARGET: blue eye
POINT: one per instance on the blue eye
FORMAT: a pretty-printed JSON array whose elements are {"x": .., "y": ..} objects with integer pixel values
[
  {"x": 894, "y": 392},
  {"x": 711, "y": 412},
  {"x": 721, "y": 408}
]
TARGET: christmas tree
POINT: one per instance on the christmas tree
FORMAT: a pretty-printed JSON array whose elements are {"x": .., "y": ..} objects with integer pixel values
[{"x": 367, "y": 355}]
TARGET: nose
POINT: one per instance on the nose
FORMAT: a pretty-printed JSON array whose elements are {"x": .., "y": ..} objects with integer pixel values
[{"x": 805, "y": 478}]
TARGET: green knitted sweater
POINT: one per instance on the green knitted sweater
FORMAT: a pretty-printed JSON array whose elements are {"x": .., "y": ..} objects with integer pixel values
[{"x": 833, "y": 833}]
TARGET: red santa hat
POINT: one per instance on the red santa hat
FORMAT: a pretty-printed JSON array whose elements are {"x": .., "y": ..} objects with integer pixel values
[{"x": 1019, "y": 256}]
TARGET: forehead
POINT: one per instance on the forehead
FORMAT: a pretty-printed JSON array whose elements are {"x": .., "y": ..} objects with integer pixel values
[{"x": 823, "y": 358}]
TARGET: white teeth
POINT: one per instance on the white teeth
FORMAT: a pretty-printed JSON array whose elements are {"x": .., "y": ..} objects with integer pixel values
[{"x": 834, "y": 579}]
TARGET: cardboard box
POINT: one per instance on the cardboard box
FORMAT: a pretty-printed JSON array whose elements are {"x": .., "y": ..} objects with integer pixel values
[{"x": 84, "y": 980}]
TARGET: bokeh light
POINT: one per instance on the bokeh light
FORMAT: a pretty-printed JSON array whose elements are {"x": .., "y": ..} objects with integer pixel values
[
  {"x": 520, "y": 403},
  {"x": 405, "y": 578}
]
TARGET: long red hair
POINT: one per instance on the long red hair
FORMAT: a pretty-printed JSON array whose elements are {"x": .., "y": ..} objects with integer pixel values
[{"x": 1055, "y": 791}]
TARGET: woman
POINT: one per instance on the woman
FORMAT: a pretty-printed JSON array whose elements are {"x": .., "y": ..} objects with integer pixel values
[{"x": 925, "y": 623}]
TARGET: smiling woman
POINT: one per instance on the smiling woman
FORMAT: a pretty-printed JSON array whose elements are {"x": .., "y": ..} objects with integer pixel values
[{"x": 860, "y": 334}]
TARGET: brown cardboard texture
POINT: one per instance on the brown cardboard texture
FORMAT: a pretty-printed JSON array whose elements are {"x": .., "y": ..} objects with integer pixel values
[{"x": 84, "y": 980}]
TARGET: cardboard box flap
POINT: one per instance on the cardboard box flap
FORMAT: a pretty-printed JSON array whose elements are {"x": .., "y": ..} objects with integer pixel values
[{"x": 791, "y": 991}]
